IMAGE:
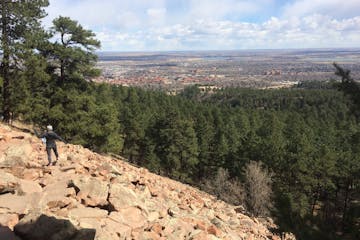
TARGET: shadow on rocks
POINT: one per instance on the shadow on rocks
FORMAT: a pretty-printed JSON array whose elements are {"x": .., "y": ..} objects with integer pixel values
[
  {"x": 45, "y": 227},
  {"x": 6, "y": 233}
]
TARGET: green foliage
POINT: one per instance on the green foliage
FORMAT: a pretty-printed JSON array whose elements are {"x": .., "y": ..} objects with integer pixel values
[
  {"x": 191, "y": 92},
  {"x": 103, "y": 129},
  {"x": 304, "y": 137},
  {"x": 31, "y": 94},
  {"x": 176, "y": 146},
  {"x": 349, "y": 87},
  {"x": 20, "y": 29},
  {"x": 315, "y": 84},
  {"x": 74, "y": 51}
]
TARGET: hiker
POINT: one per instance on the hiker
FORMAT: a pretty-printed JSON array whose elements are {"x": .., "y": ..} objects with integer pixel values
[{"x": 50, "y": 137}]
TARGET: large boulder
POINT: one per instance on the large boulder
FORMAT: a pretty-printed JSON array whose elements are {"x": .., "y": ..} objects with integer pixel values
[
  {"x": 8, "y": 182},
  {"x": 12, "y": 203},
  {"x": 91, "y": 191},
  {"x": 131, "y": 217},
  {"x": 16, "y": 155},
  {"x": 120, "y": 231},
  {"x": 55, "y": 192},
  {"x": 27, "y": 187},
  {"x": 31, "y": 174},
  {"x": 122, "y": 197}
]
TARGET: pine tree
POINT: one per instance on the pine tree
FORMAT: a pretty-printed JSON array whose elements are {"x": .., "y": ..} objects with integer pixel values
[
  {"x": 272, "y": 146},
  {"x": 31, "y": 98},
  {"x": 176, "y": 146},
  {"x": 19, "y": 23},
  {"x": 74, "y": 50},
  {"x": 205, "y": 134},
  {"x": 72, "y": 62},
  {"x": 134, "y": 129}
]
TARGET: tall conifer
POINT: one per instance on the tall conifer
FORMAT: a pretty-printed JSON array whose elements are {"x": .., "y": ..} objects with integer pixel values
[{"x": 19, "y": 23}]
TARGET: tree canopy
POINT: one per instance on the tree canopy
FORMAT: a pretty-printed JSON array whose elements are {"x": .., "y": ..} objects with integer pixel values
[{"x": 20, "y": 31}]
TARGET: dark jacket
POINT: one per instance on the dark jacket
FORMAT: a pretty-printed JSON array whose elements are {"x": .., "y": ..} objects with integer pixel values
[{"x": 50, "y": 136}]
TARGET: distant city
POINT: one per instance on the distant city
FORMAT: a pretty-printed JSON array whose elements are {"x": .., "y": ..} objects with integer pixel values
[{"x": 172, "y": 71}]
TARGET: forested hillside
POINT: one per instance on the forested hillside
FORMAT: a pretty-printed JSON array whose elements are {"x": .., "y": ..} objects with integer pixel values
[{"x": 308, "y": 141}]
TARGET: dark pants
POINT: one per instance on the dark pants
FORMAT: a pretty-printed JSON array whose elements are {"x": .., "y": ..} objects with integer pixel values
[{"x": 48, "y": 150}]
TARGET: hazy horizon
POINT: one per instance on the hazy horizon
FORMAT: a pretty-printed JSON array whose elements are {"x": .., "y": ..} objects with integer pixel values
[{"x": 234, "y": 50}]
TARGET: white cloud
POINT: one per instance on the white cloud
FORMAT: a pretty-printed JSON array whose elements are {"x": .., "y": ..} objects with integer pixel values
[
  {"x": 155, "y": 12},
  {"x": 215, "y": 24},
  {"x": 215, "y": 9},
  {"x": 335, "y": 8},
  {"x": 310, "y": 31},
  {"x": 106, "y": 13}
]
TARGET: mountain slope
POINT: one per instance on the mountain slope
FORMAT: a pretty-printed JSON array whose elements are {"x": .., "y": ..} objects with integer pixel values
[{"x": 88, "y": 195}]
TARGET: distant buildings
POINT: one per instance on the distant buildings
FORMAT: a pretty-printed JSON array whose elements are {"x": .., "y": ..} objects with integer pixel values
[{"x": 174, "y": 71}]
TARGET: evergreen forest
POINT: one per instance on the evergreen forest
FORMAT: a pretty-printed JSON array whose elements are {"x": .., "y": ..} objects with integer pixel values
[{"x": 306, "y": 138}]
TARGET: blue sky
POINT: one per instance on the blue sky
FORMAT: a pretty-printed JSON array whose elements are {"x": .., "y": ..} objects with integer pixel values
[{"x": 165, "y": 25}]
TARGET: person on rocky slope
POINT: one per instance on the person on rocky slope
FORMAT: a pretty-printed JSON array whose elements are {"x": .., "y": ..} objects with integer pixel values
[{"x": 50, "y": 137}]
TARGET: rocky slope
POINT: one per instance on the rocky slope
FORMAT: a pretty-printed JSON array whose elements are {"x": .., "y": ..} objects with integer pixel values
[{"x": 90, "y": 196}]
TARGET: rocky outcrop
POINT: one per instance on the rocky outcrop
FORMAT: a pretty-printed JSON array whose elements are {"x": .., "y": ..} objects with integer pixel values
[{"x": 89, "y": 196}]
